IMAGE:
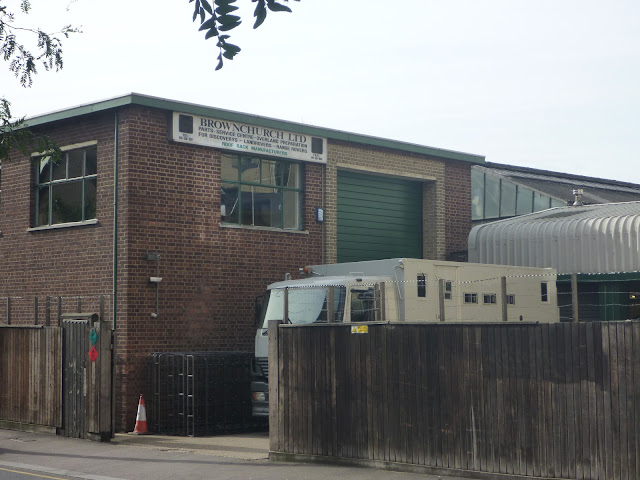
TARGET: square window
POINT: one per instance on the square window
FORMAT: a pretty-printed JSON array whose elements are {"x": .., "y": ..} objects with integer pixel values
[
  {"x": 65, "y": 191},
  {"x": 470, "y": 298},
  {"x": 489, "y": 298},
  {"x": 261, "y": 192}
]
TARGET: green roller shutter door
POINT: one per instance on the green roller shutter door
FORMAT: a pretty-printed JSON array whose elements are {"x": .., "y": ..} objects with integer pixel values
[{"x": 378, "y": 217}]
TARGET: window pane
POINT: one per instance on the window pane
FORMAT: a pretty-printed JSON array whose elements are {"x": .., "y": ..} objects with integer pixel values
[
  {"x": 76, "y": 160},
  {"x": 261, "y": 183},
  {"x": 246, "y": 205},
  {"x": 422, "y": 285},
  {"x": 292, "y": 210},
  {"x": 558, "y": 203},
  {"x": 447, "y": 290},
  {"x": 525, "y": 201},
  {"x": 229, "y": 203},
  {"x": 269, "y": 172},
  {"x": 250, "y": 169},
  {"x": 67, "y": 202},
  {"x": 508, "y": 199},
  {"x": 267, "y": 203},
  {"x": 43, "y": 206},
  {"x": 90, "y": 188},
  {"x": 291, "y": 175},
  {"x": 477, "y": 194},
  {"x": 540, "y": 202},
  {"x": 492, "y": 197},
  {"x": 543, "y": 292},
  {"x": 230, "y": 167},
  {"x": 363, "y": 305},
  {"x": 91, "y": 161},
  {"x": 44, "y": 170},
  {"x": 60, "y": 169}
]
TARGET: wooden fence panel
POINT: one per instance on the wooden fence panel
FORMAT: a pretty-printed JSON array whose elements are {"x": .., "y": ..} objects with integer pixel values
[
  {"x": 30, "y": 375},
  {"x": 546, "y": 401}
]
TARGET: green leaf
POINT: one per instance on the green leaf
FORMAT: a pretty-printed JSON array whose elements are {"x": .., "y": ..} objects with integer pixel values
[
  {"x": 260, "y": 13},
  {"x": 225, "y": 9},
  {"x": 228, "y": 26},
  {"x": 229, "y": 55},
  {"x": 207, "y": 7},
  {"x": 276, "y": 7},
  {"x": 228, "y": 19},
  {"x": 211, "y": 23},
  {"x": 231, "y": 47},
  {"x": 211, "y": 33},
  {"x": 219, "y": 62},
  {"x": 196, "y": 10}
]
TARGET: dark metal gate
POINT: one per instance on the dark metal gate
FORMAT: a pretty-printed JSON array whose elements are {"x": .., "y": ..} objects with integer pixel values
[
  {"x": 86, "y": 377},
  {"x": 200, "y": 393}
]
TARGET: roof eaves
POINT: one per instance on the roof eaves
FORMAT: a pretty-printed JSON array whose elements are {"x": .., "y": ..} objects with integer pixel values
[{"x": 194, "y": 109}]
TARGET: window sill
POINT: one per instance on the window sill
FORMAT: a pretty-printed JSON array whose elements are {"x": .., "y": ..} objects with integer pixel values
[
  {"x": 267, "y": 229},
  {"x": 63, "y": 225}
]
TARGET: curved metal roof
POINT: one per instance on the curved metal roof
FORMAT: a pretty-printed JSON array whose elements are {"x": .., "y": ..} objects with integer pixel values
[{"x": 587, "y": 239}]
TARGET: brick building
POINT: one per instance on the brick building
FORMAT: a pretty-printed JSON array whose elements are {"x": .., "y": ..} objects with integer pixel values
[{"x": 216, "y": 203}]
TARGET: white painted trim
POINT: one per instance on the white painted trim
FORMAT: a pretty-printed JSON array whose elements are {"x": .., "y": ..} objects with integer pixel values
[{"x": 67, "y": 148}]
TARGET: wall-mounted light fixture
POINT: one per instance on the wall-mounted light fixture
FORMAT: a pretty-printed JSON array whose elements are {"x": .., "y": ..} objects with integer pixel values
[{"x": 153, "y": 256}]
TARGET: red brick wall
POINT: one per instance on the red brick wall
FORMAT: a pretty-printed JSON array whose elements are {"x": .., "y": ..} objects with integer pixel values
[
  {"x": 211, "y": 274},
  {"x": 70, "y": 261},
  {"x": 457, "y": 206}
]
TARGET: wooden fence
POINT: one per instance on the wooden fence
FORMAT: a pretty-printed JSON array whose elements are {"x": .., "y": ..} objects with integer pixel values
[
  {"x": 544, "y": 400},
  {"x": 58, "y": 377},
  {"x": 31, "y": 375}
]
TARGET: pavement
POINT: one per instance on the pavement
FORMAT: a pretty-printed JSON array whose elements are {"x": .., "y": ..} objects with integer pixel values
[
  {"x": 244, "y": 446},
  {"x": 39, "y": 456}
]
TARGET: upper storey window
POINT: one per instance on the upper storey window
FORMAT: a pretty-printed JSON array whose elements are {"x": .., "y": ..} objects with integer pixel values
[
  {"x": 261, "y": 192},
  {"x": 65, "y": 191}
]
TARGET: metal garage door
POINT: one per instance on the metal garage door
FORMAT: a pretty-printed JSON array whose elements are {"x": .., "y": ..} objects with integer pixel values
[{"x": 378, "y": 217}]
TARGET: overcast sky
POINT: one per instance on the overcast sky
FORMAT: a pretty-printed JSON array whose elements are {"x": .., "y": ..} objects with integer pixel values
[{"x": 546, "y": 84}]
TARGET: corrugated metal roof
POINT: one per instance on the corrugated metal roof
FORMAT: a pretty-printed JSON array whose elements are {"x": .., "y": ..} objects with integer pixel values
[{"x": 588, "y": 239}]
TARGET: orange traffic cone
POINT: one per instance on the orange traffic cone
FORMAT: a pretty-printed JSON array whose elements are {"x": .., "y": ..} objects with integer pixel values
[{"x": 141, "y": 419}]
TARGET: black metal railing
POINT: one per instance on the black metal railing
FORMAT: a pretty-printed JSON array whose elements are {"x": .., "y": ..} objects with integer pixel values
[{"x": 199, "y": 393}]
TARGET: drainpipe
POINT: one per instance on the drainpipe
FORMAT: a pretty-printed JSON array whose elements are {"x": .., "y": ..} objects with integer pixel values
[
  {"x": 115, "y": 274},
  {"x": 115, "y": 222}
]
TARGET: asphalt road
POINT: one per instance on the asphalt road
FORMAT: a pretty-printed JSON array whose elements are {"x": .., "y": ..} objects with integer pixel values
[{"x": 31, "y": 456}]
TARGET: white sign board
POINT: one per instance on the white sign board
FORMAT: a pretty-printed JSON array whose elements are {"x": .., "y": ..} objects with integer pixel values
[{"x": 250, "y": 139}]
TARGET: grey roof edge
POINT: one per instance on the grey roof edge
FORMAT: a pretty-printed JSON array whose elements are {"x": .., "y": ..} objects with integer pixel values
[
  {"x": 195, "y": 109},
  {"x": 559, "y": 175}
]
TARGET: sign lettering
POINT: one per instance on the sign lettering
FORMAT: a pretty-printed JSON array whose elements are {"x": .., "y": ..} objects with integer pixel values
[{"x": 250, "y": 139}]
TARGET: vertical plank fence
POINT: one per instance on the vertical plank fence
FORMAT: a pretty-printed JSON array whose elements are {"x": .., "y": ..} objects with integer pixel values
[
  {"x": 31, "y": 375},
  {"x": 538, "y": 400},
  {"x": 57, "y": 378}
]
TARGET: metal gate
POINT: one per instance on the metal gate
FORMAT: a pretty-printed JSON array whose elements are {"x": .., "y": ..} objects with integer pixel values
[{"x": 86, "y": 377}]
